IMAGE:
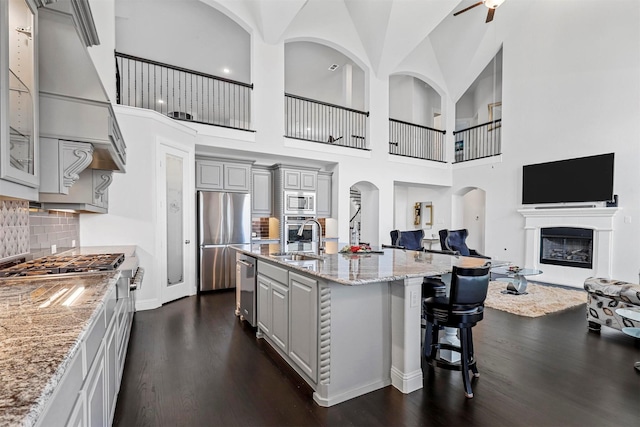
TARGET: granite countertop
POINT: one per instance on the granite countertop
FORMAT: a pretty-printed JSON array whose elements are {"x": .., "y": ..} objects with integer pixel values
[
  {"x": 39, "y": 340},
  {"x": 359, "y": 269}
]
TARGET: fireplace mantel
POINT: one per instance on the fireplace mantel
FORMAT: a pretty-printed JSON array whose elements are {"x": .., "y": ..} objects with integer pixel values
[{"x": 599, "y": 219}]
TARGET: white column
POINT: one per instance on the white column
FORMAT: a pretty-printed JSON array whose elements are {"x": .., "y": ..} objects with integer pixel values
[{"x": 406, "y": 307}]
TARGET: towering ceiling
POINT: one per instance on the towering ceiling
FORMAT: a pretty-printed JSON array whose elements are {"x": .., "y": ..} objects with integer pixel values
[{"x": 390, "y": 36}]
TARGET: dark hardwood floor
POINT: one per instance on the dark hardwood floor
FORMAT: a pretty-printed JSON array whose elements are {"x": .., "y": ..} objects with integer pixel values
[{"x": 193, "y": 363}]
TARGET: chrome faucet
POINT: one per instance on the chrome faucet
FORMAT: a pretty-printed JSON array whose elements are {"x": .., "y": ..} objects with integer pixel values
[{"x": 320, "y": 242}]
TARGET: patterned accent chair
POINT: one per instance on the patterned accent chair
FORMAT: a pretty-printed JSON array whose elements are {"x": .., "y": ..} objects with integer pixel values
[{"x": 604, "y": 296}]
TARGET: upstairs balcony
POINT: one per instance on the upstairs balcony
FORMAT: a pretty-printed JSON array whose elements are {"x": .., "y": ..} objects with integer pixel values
[
  {"x": 193, "y": 96},
  {"x": 183, "y": 94},
  {"x": 477, "y": 142},
  {"x": 420, "y": 142},
  {"x": 318, "y": 121}
]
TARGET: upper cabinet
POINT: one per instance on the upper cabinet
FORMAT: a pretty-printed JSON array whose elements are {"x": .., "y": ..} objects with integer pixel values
[
  {"x": 19, "y": 99},
  {"x": 324, "y": 195},
  {"x": 261, "y": 191},
  {"x": 299, "y": 179},
  {"x": 223, "y": 175}
]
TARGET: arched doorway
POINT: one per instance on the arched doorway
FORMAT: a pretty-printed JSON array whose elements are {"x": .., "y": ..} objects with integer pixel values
[
  {"x": 468, "y": 211},
  {"x": 364, "y": 211}
]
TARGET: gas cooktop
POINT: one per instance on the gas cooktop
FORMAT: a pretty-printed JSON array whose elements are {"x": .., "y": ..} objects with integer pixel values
[{"x": 64, "y": 264}]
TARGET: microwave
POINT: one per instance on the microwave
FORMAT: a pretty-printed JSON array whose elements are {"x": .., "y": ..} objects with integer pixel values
[{"x": 299, "y": 203}]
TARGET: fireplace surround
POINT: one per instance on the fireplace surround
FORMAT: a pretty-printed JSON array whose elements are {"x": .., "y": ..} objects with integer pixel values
[{"x": 597, "y": 220}]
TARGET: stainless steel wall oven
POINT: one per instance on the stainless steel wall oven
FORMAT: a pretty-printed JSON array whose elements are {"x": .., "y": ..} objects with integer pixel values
[{"x": 303, "y": 243}]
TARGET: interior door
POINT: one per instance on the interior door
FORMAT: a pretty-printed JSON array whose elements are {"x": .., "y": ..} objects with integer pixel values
[{"x": 175, "y": 213}]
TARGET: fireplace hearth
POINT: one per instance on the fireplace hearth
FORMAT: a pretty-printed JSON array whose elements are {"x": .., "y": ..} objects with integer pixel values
[{"x": 566, "y": 246}]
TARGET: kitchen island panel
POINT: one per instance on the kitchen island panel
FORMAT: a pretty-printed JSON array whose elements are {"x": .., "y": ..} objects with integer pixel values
[{"x": 359, "y": 339}]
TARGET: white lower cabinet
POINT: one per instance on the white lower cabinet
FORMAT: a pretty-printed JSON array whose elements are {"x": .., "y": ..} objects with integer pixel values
[
  {"x": 88, "y": 391},
  {"x": 263, "y": 305},
  {"x": 280, "y": 315},
  {"x": 95, "y": 391},
  {"x": 78, "y": 416},
  {"x": 273, "y": 308},
  {"x": 112, "y": 371},
  {"x": 303, "y": 318},
  {"x": 287, "y": 304}
]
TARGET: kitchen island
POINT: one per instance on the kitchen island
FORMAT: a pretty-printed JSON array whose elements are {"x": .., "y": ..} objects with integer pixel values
[{"x": 348, "y": 324}]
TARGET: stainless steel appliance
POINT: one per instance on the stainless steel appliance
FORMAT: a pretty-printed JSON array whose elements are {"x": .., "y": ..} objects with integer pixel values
[
  {"x": 304, "y": 242},
  {"x": 52, "y": 266},
  {"x": 246, "y": 282},
  {"x": 299, "y": 203},
  {"x": 224, "y": 219}
]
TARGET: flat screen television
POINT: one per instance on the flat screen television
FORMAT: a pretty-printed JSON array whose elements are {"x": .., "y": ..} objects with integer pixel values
[{"x": 584, "y": 179}]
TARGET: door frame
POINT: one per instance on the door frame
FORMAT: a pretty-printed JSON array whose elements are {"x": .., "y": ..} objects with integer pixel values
[{"x": 188, "y": 286}]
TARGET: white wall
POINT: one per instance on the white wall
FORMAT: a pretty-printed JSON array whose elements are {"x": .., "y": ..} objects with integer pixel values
[
  {"x": 185, "y": 33},
  {"x": 132, "y": 217},
  {"x": 412, "y": 100},
  {"x": 567, "y": 92},
  {"x": 306, "y": 61},
  {"x": 485, "y": 90},
  {"x": 405, "y": 197}
]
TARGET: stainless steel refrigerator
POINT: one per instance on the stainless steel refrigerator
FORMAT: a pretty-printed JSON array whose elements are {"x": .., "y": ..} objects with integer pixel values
[{"x": 224, "y": 219}]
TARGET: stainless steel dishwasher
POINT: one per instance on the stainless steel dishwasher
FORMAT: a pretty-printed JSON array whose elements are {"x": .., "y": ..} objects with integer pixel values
[{"x": 246, "y": 283}]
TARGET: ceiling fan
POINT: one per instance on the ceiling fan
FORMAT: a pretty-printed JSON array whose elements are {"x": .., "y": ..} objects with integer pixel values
[{"x": 492, "y": 5}]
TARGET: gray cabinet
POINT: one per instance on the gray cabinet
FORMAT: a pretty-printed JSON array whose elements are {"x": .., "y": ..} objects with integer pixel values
[
  {"x": 88, "y": 390},
  {"x": 324, "y": 195},
  {"x": 273, "y": 304},
  {"x": 303, "y": 320},
  {"x": 296, "y": 179},
  {"x": 222, "y": 175},
  {"x": 263, "y": 306},
  {"x": 88, "y": 194},
  {"x": 279, "y": 295},
  {"x": 19, "y": 104},
  {"x": 261, "y": 192}
]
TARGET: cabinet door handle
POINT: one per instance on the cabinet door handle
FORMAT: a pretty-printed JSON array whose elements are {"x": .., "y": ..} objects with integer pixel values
[{"x": 186, "y": 242}]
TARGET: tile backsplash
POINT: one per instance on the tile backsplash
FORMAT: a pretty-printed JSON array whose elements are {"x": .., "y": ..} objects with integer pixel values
[
  {"x": 53, "y": 228},
  {"x": 14, "y": 228}
]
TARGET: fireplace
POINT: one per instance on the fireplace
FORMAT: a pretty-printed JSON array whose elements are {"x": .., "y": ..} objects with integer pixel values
[
  {"x": 564, "y": 262},
  {"x": 566, "y": 246}
]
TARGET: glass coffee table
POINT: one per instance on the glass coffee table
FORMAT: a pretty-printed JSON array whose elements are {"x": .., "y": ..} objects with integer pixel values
[
  {"x": 634, "y": 315},
  {"x": 516, "y": 278}
]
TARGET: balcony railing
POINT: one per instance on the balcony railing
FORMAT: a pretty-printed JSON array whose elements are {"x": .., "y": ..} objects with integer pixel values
[
  {"x": 478, "y": 141},
  {"x": 420, "y": 142},
  {"x": 182, "y": 94},
  {"x": 318, "y": 121}
]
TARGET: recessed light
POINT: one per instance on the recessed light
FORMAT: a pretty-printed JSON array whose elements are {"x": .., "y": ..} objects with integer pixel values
[
  {"x": 160, "y": 101},
  {"x": 226, "y": 70}
]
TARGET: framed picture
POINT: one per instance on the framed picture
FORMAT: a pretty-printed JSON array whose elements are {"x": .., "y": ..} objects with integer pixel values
[
  {"x": 495, "y": 113},
  {"x": 427, "y": 213}
]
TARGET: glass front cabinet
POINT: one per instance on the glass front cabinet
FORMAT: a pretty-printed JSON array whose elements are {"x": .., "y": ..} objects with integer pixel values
[{"x": 18, "y": 99}]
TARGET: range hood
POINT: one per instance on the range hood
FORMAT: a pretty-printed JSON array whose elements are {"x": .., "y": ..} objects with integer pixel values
[{"x": 74, "y": 105}]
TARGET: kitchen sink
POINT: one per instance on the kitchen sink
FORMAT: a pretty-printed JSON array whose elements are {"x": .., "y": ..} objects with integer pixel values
[{"x": 296, "y": 256}]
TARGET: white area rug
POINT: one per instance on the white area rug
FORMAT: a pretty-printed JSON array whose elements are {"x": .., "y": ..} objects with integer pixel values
[{"x": 539, "y": 300}]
